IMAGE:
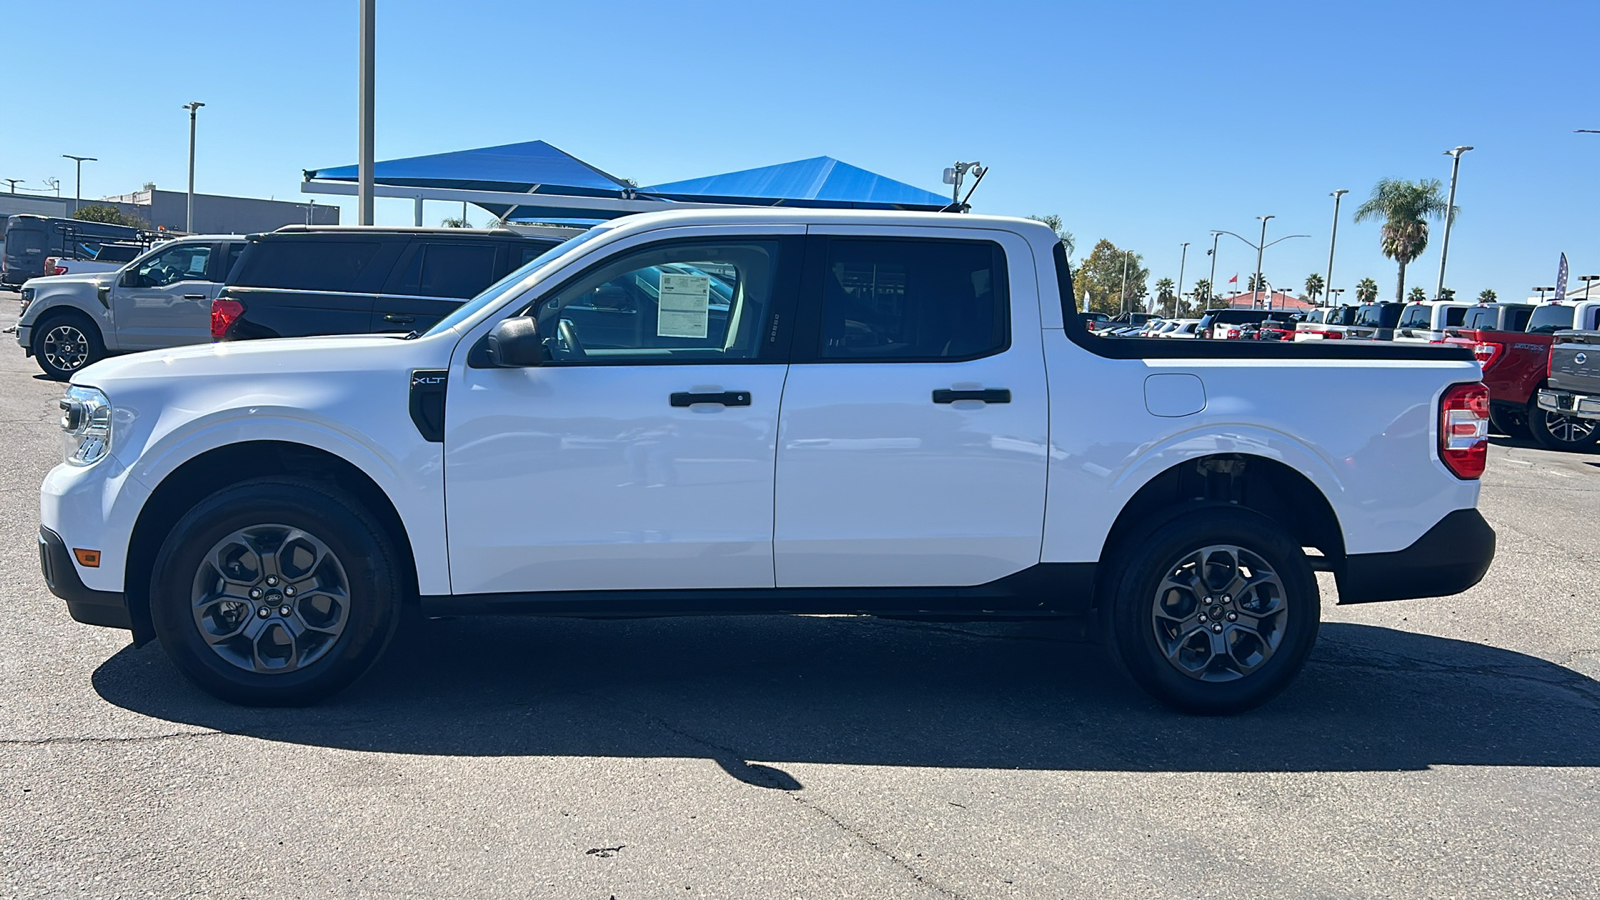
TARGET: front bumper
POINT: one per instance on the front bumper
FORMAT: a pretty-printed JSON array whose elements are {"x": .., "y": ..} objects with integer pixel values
[
  {"x": 85, "y": 605},
  {"x": 25, "y": 339},
  {"x": 1452, "y": 556},
  {"x": 1569, "y": 404}
]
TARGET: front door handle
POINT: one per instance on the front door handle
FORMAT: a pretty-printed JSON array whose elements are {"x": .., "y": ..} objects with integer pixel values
[
  {"x": 992, "y": 395},
  {"x": 194, "y": 296},
  {"x": 399, "y": 319},
  {"x": 726, "y": 398}
]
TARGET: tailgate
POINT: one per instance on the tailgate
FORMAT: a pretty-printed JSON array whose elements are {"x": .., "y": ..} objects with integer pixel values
[{"x": 1575, "y": 363}]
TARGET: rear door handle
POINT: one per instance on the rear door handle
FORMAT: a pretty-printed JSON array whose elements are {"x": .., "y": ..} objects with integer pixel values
[
  {"x": 398, "y": 319},
  {"x": 194, "y": 296},
  {"x": 726, "y": 398},
  {"x": 991, "y": 395}
]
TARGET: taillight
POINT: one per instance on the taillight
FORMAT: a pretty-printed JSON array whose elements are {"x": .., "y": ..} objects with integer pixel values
[
  {"x": 1233, "y": 334},
  {"x": 1464, "y": 429},
  {"x": 1486, "y": 352},
  {"x": 224, "y": 313}
]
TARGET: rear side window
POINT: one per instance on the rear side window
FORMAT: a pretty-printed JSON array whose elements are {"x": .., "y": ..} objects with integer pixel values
[
  {"x": 1454, "y": 316},
  {"x": 1483, "y": 318},
  {"x": 314, "y": 265},
  {"x": 1550, "y": 319},
  {"x": 450, "y": 269},
  {"x": 1517, "y": 318},
  {"x": 911, "y": 300},
  {"x": 1416, "y": 317}
]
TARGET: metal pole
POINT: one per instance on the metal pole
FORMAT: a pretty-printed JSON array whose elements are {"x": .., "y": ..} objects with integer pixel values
[
  {"x": 364, "y": 115},
  {"x": 1215, "y": 235},
  {"x": 80, "y": 160},
  {"x": 1449, "y": 215},
  {"x": 188, "y": 221},
  {"x": 1125, "y": 280},
  {"x": 1181, "y": 262},
  {"x": 1255, "y": 295},
  {"x": 13, "y": 183},
  {"x": 1333, "y": 235}
]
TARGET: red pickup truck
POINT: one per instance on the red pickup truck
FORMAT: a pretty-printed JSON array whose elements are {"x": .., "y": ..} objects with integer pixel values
[{"x": 1512, "y": 343}]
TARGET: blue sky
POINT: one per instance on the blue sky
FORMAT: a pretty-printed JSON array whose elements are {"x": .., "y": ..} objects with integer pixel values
[{"x": 1148, "y": 123}]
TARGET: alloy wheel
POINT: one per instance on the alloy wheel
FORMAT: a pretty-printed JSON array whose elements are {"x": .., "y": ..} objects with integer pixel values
[
  {"x": 66, "y": 347},
  {"x": 1219, "y": 613}
]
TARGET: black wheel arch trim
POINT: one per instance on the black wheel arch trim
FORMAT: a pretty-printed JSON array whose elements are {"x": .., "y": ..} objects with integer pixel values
[
  {"x": 1449, "y": 558},
  {"x": 105, "y": 608}
]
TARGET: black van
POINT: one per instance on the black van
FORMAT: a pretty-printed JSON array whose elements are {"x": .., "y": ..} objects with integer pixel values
[
  {"x": 301, "y": 280},
  {"x": 29, "y": 239}
]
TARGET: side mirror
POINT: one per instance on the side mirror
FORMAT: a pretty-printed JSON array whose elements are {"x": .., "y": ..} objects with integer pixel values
[{"x": 514, "y": 344}]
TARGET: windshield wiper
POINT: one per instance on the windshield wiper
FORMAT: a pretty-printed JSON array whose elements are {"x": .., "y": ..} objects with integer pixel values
[{"x": 412, "y": 336}]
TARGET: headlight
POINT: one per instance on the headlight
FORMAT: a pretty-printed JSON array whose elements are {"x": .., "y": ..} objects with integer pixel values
[
  {"x": 85, "y": 426},
  {"x": 27, "y": 297}
]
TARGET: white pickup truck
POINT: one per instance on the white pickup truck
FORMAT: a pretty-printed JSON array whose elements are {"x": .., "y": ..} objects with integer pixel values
[{"x": 786, "y": 411}]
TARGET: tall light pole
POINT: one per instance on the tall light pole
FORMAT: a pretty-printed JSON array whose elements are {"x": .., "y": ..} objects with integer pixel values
[
  {"x": 1333, "y": 235},
  {"x": 1586, "y": 279},
  {"x": 188, "y": 219},
  {"x": 1260, "y": 248},
  {"x": 1449, "y": 215},
  {"x": 14, "y": 181},
  {"x": 1125, "y": 279},
  {"x": 1212, "y": 284},
  {"x": 80, "y": 160},
  {"x": 1182, "y": 260},
  {"x": 364, "y": 115}
]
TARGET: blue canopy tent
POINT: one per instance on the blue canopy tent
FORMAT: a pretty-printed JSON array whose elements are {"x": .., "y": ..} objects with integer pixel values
[
  {"x": 821, "y": 181},
  {"x": 567, "y": 189}
]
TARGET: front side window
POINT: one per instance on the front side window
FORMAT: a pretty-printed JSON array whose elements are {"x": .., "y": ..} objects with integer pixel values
[
  {"x": 689, "y": 301},
  {"x": 183, "y": 263},
  {"x": 909, "y": 300}
]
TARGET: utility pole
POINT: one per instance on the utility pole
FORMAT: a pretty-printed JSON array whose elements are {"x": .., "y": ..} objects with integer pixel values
[
  {"x": 1181, "y": 262},
  {"x": 1260, "y": 248},
  {"x": 188, "y": 219},
  {"x": 1449, "y": 215},
  {"x": 80, "y": 160},
  {"x": 1125, "y": 280},
  {"x": 1333, "y": 235},
  {"x": 364, "y": 116}
]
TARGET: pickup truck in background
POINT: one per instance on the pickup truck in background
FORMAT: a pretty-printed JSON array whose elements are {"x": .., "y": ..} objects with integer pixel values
[
  {"x": 1573, "y": 388},
  {"x": 311, "y": 280},
  {"x": 765, "y": 411},
  {"x": 109, "y": 258},
  {"x": 1326, "y": 324},
  {"x": 161, "y": 299},
  {"x": 1512, "y": 342},
  {"x": 1374, "y": 322},
  {"x": 1425, "y": 321}
]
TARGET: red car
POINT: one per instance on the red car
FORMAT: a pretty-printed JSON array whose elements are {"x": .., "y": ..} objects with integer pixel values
[{"x": 1512, "y": 342}]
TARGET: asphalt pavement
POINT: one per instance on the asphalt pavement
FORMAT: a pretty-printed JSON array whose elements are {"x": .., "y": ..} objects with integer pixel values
[{"x": 1431, "y": 748}]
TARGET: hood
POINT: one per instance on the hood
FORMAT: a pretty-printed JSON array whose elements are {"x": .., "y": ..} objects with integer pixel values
[
  {"x": 300, "y": 356},
  {"x": 94, "y": 278}
]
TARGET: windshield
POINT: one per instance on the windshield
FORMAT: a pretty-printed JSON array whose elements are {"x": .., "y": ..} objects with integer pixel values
[
  {"x": 506, "y": 285},
  {"x": 1550, "y": 319}
]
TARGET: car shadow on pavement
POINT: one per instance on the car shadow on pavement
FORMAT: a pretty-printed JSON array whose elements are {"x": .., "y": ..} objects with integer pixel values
[{"x": 753, "y": 693}]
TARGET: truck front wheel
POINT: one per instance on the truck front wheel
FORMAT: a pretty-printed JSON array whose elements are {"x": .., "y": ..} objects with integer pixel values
[
  {"x": 1558, "y": 432},
  {"x": 65, "y": 343},
  {"x": 275, "y": 592},
  {"x": 1212, "y": 612}
]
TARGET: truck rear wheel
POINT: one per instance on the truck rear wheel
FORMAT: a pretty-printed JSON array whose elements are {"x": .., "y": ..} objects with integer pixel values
[
  {"x": 65, "y": 343},
  {"x": 1558, "y": 432},
  {"x": 275, "y": 592},
  {"x": 1213, "y": 612}
]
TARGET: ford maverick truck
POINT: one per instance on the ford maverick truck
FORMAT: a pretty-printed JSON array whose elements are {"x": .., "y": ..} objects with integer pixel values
[{"x": 765, "y": 411}]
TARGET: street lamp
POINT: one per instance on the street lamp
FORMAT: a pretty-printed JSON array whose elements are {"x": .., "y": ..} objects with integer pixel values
[
  {"x": 80, "y": 160},
  {"x": 1125, "y": 280},
  {"x": 1212, "y": 284},
  {"x": 188, "y": 220},
  {"x": 1541, "y": 291},
  {"x": 1333, "y": 235},
  {"x": 1586, "y": 279},
  {"x": 1259, "y": 247},
  {"x": 1181, "y": 262},
  {"x": 364, "y": 114},
  {"x": 15, "y": 181},
  {"x": 1449, "y": 214},
  {"x": 1334, "y": 295}
]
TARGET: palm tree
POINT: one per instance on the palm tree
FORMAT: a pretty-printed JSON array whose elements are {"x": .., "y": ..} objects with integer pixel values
[
  {"x": 1314, "y": 287},
  {"x": 1405, "y": 208},
  {"x": 1487, "y": 295},
  {"x": 1366, "y": 290},
  {"x": 1202, "y": 291},
  {"x": 1252, "y": 284},
  {"x": 1054, "y": 221},
  {"x": 1417, "y": 295}
]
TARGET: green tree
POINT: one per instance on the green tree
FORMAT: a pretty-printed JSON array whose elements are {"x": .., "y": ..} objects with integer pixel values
[
  {"x": 455, "y": 222},
  {"x": 1487, "y": 295},
  {"x": 1447, "y": 294},
  {"x": 1165, "y": 295},
  {"x": 1251, "y": 284},
  {"x": 1314, "y": 287},
  {"x": 109, "y": 215},
  {"x": 1099, "y": 277},
  {"x": 1417, "y": 294},
  {"x": 1405, "y": 208},
  {"x": 1202, "y": 292},
  {"x": 1366, "y": 290},
  {"x": 1056, "y": 225}
]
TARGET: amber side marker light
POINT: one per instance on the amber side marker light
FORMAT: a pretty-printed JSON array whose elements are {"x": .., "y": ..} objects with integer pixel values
[{"x": 89, "y": 559}]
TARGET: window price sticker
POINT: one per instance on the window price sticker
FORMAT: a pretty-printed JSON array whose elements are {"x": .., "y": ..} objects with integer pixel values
[{"x": 685, "y": 306}]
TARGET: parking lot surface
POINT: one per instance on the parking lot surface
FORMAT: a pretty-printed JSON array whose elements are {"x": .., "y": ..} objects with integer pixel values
[{"x": 1432, "y": 748}]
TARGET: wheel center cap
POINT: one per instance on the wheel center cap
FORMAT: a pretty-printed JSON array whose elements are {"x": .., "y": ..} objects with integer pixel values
[{"x": 1215, "y": 612}]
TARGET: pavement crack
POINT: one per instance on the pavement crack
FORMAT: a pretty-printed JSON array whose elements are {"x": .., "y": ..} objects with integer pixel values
[{"x": 110, "y": 741}]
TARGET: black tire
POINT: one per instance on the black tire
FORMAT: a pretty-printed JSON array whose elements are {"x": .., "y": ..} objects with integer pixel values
[
  {"x": 1131, "y": 621},
  {"x": 361, "y": 553},
  {"x": 1508, "y": 420},
  {"x": 66, "y": 343},
  {"x": 1557, "y": 432}
]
